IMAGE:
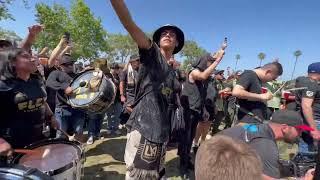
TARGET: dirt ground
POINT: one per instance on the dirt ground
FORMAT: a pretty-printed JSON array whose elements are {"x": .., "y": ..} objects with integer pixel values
[{"x": 105, "y": 160}]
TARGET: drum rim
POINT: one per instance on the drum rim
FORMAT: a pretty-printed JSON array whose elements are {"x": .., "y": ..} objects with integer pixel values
[
  {"x": 24, "y": 171},
  {"x": 68, "y": 166},
  {"x": 99, "y": 93}
]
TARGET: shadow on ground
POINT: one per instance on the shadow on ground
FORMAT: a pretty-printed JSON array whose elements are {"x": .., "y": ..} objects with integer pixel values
[
  {"x": 98, "y": 172},
  {"x": 113, "y": 147}
]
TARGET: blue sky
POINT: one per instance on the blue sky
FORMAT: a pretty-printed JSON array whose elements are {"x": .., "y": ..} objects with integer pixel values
[{"x": 275, "y": 27}]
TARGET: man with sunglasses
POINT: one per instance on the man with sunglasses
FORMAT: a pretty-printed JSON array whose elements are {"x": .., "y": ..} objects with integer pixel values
[
  {"x": 285, "y": 125},
  {"x": 68, "y": 118},
  {"x": 249, "y": 91}
]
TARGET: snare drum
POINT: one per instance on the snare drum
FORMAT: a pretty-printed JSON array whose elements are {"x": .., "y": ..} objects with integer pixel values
[
  {"x": 18, "y": 172},
  {"x": 60, "y": 159},
  {"x": 92, "y": 99}
]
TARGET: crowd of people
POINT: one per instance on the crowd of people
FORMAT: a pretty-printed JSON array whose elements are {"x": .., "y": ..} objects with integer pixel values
[{"x": 231, "y": 125}]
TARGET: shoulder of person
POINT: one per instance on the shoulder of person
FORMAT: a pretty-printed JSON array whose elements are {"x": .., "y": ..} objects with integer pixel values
[
  {"x": 147, "y": 52},
  {"x": 247, "y": 72},
  {"x": 5, "y": 86}
]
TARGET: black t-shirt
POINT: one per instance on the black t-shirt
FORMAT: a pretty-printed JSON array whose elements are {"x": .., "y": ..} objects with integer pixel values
[
  {"x": 261, "y": 138},
  {"x": 129, "y": 83},
  {"x": 173, "y": 88},
  {"x": 312, "y": 91},
  {"x": 149, "y": 116},
  {"x": 211, "y": 95},
  {"x": 251, "y": 83},
  {"x": 47, "y": 70},
  {"x": 59, "y": 81},
  {"x": 51, "y": 93},
  {"x": 116, "y": 81},
  {"x": 22, "y": 111}
]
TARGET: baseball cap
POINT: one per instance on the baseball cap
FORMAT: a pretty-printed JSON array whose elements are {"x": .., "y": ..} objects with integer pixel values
[
  {"x": 291, "y": 118},
  {"x": 218, "y": 72},
  {"x": 66, "y": 59},
  {"x": 5, "y": 42},
  {"x": 314, "y": 68},
  {"x": 114, "y": 66},
  {"x": 134, "y": 57}
]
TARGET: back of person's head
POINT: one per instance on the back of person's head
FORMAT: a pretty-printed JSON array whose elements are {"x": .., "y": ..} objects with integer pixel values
[
  {"x": 275, "y": 67},
  {"x": 221, "y": 157}
]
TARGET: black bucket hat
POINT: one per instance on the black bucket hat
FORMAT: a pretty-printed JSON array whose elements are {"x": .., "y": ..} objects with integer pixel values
[{"x": 178, "y": 31}]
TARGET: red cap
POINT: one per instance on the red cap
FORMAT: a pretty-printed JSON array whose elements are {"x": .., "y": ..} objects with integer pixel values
[{"x": 304, "y": 128}]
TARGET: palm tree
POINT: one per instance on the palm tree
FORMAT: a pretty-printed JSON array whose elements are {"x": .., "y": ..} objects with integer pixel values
[
  {"x": 297, "y": 53},
  {"x": 261, "y": 56},
  {"x": 237, "y": 59}
]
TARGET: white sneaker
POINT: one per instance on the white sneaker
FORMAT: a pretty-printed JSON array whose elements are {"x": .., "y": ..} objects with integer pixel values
[
  {"x": 100, "y": 137},
  {"x": 108, "y": 132},
  {"x": 90, "y": 140}
]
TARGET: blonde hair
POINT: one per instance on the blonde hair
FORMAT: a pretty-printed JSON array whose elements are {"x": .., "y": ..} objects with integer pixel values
[{"x": 221, "y": 157}]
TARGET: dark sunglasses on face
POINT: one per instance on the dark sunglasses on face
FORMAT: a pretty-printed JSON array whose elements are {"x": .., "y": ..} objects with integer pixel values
[{"x": 164, "y": 33}]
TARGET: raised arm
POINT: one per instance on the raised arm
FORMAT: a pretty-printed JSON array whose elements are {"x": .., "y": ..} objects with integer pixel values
[
  {"x": 198, "y": 75},
  {"x": 135, "y": 32},
  {"x": 31, "y": 37},
  {"x": 56, "y": 52}
]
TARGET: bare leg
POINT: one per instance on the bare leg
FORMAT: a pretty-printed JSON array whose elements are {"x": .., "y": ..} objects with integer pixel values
[{"x": 205, "y": 130}]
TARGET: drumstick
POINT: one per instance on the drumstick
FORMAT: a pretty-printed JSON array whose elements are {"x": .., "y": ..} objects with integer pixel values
[
  {"x": 282, "y": 86},
  {"x": 32, "y": 151},
  {"x": 27, "y": 151},
  {"x": 296, "y": 89}
]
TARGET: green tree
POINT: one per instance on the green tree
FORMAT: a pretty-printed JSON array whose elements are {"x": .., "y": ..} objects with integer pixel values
[
  {"x": 297, "y": 54},
  {"x": 237, "y": 60},
  {"x": 4, "y": 9},
  {"x": 191, "y": 52},
  {"x": 121, "y": 47},
  {"x": 261, "y": 56},
  {"x": 56, "y": 20},
  {"x": 9, "y": 34},
  {"x": 87, "y": 34}
]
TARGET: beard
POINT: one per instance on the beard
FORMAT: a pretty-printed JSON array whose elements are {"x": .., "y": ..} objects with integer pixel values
[{"x": 288, "y": 139}]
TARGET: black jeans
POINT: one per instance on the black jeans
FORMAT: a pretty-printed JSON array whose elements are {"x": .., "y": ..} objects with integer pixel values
[
  {"x": 184, "y": 147},
  {"x": 217, "y": 121}
]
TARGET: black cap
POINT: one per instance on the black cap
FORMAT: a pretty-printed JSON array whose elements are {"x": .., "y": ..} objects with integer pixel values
[
  {"x": 6, "y": 43},
  {"x": 179, "y": 34},
  {"x": 134, "y": 57},
  {"x": 66, "y": 59},
  {"x": 291, "y": 118},
  {"x": 114, "y": 66},
  {"x": 218, "y": 72}
]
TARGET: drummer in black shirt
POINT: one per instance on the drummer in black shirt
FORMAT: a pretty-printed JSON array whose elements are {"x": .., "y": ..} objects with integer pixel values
[
  {"x": 23, "y": 107},
  {"x": 69, "y": 119},
  {"x": 249, "y": 91}
]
